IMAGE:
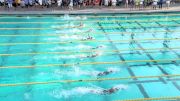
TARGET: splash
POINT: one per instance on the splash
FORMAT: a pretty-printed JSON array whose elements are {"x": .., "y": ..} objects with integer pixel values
[
  {"x": 66, "y": 17},
  {"x": 121, "y": 87},
  {"x": 80, "y": 91},
  {"x": 75, "y": 30},
  {"x": 70, "y": 37},
  {"x": 81, "y": 46},
  {"x": 76, "y": 71},
  {"x": 84, "y": 18},
  {"x": 27, "y": 17},
  {"x": 113, "y": 69}
]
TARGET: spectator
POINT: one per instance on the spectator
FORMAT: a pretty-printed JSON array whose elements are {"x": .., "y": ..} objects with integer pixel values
[
  {"x": 9, "y": 2},
  {"x": 119, "y": 2},
  {"x": 80, "y": 3},
  {"x": 22, "y": 3},
  {"x": 17, "y": 2},
  {"x": 49, "y": 3},
  {"x": 160, "y": 4},
  {"x": 1, "y": 2},
  {"x": 59, "y": 3},
  {"x": 168, "y": 3},
  {"x": 131, "y": 4},
  {"x": 40, "y": 2},
  {"x": 141, "y": 4},
  {"x": 30, "y": 2},
  {"x": 145, "y": 3},
  {"x": 154, "y": 4},
  {"x": 137, "y": 3},
  {"x": 71, "y": 5},
  {"x": 106, "y": 2},
  {"x": 114, "y": 3},
  {"x": 126, "y": 3},
  {"x": 96, "y": 2}
]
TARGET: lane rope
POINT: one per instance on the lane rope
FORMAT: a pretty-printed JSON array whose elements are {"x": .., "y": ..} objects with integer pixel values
[
  {"x": 64, "y": 34},
  {"x": 177, "y": 98},
  {"x": 84, "y": 51},
  {"x": 97, "y": 27},
  {"x": 92, "y": 63},
  {"x": 85, "y": 41},
  {"x": 86, "y": 80}
]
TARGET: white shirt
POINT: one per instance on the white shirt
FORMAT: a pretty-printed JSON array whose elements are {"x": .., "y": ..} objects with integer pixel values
[
  {"x": 40, "y": 2},
  {"x": 71, "y": 3},
  {"x": 106, "y": 2},
  {"x": 59, "y": 2}
]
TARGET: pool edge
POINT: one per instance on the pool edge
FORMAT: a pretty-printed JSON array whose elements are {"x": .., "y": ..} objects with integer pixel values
[{"x": 86, "y": 12}]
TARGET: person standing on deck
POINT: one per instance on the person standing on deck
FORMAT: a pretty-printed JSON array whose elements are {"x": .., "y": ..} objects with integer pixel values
[
  {"x": 40, "y": 2},
  {"x": 49, "y": 3},
  {"x": 141, "y": 6},
  {"x": 126, "y": 3},
  {"x": 59, "y": 2},
  {"x": 131, "y": 4},
  {"x": 168, "y": 3},
  {"x": 9, "y": 3},
  {"x": 22, "y": 3},
  {"x": 80, "y": 3},
  {"x": 71, "y": 5},
  {"x": 1, "y": 2},
  {"x": 136, "y": 4},
  {"x": 17, "y": 2},
  {"x": 154, "y": 4},
  {"x": 160, "y": 4},
  {"x": 106, "y": 2},
  {"x": 114, "y": 3}
]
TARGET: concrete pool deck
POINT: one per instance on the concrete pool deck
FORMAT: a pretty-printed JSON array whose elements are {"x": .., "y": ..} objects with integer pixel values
[{"x": 174, "y": 8}]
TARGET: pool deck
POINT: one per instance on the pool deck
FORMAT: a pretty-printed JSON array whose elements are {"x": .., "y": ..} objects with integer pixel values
[{"x": 94, "y": 10}]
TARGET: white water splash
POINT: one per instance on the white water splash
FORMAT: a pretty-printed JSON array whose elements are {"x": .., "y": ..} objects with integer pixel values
[
  {"x": 69, "y": 37},
  {"x": 121, "y": 87},
  {"x": 113, "y": 69},
  {"x": 70, "y": 48},
  {"x": 79, "y": 91},
  {"x": 27, "y": 17},
  {"x": 81, "y": 46}
]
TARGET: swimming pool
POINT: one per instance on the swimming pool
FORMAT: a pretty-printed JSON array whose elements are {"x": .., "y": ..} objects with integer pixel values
[{"x": 97, "y": 57}]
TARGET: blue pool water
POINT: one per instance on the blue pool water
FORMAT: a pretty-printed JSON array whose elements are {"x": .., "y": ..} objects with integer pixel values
[{"x": 39, "y": 54}]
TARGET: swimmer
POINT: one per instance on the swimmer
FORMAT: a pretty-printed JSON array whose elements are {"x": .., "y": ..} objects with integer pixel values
[
  {"x": 115, "y": 89},
  {"x": 81, "y": 24},
  {"x": 88, "y": 38},
  {"x": 104, "y": 73},
  {"x": 90, "y": 56},
  {"x": 94, "y": 55},
  {"x": 109, "y": 91},
  {"x": 97, "y": 47},
  {"x": 132, "y": 36},
  {"x": 165, "y": 45}
]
